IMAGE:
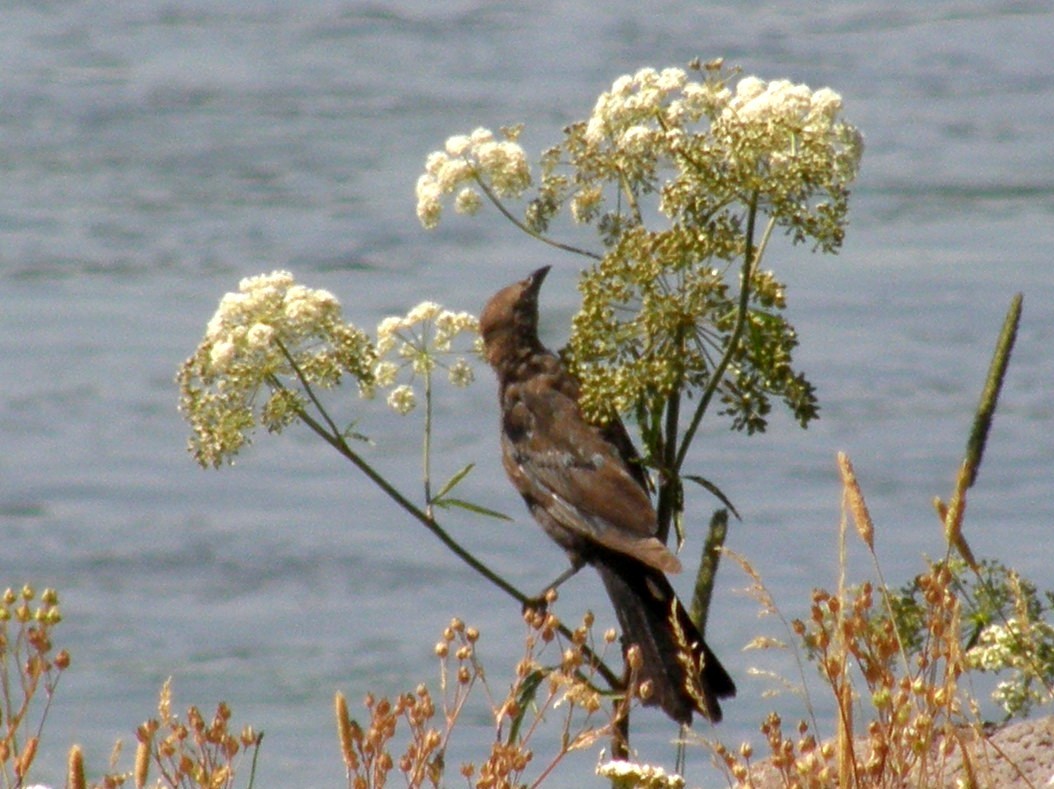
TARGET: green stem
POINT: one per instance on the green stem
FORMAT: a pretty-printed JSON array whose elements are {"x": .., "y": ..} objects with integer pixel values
[
  {"x": 669, "y": 481},
  {"x": 750, "y": 257},
  {"x": 529, "y": 231},
  {"x": 426, "y": 448},
  {"x": 630, "y": 198}
]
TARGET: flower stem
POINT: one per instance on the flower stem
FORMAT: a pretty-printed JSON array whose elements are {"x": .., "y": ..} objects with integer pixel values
[
  {"x": 426, "y": 448},
  {"x": 669, "y": 480},
  {"x": 529, "y": 231},
  {"x": 751, "y": 255},
  {"x": 326, "y": 429}
]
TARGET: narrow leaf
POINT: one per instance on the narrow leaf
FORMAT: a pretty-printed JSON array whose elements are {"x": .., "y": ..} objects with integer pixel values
[
  {"x": 710, "y": 486},
  {"x": 447, "y": 504},
  {"x": 453, "y": 481},
  {"x": 524, "y": 701}
]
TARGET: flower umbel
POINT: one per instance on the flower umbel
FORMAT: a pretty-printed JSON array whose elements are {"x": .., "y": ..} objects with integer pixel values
[
  {"x": 631, "y": 775},
  {"x": 684, "y": 174},
  {"x": 467, "y": 162},
  {"x": 1024, "y": 647},
  {"x": 264, "y": 342},
  {"x": 426, "y": 338},
  {"x": 655, "y": 309}
]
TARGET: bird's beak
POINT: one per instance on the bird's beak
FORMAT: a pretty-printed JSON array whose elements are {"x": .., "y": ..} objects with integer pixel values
[{"x": 535, "y": 280}]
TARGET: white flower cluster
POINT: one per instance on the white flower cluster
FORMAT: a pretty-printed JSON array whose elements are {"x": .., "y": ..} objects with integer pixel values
[
  {"x": 419, "y": 342},
  {"x": 271, "y": 334},
  {"x": 627, "y": 113},
  {"x": 782, "y": 101},
  {"x": 709, "y": 149},
  {"x": 631, "y": 775},
  {"x": 650, "y": 104},
  {"x": 265, "y": 308},
  {"x": 499, "y": 165},
  {"x": 1023, "y": 648}
]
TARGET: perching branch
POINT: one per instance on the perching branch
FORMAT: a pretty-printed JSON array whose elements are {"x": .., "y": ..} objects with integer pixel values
[{"x": 326, "y": 429}]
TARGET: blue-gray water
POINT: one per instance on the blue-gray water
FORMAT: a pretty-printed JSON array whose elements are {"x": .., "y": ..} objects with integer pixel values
[{"x": 153, "y": 153}]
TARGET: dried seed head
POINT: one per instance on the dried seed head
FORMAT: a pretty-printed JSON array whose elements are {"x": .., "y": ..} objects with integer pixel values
[
  {"x": 75, "y": 769},
  {"x": 634, "y": 659},
  {"x": 142, "y": 764}
]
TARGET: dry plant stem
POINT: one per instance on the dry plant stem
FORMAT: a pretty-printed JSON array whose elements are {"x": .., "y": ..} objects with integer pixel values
[
  {"x": 761, "y": 593},
  {"x": 841, "y": 685},
  {"x": 854, "y": 498},
  {"x": 252, "y": 766},
  {"x": 328, "y": 432}
]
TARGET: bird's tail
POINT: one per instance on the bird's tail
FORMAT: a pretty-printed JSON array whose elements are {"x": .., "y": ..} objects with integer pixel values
[{"x": 685, "y": 675}]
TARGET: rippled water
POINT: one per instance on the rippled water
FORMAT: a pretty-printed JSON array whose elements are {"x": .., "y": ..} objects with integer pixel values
[{"x": 154, "y": 153}]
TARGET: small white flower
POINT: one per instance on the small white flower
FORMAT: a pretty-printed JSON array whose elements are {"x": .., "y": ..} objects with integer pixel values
[
  {"x": 221, "y": 355},
  {"x": 749, "y": 88},
  {"x": 384, "y": 373},
  {"x": 425, "y": 311},
  {"x": 646, "y": 76},
  {"x": 434, "y": 163},
  {"x": 622, "y": 86},
  {"x": 458, "y": 144},
  {"x": 671, "y": 79},
  {"x": 635, "y": 139},
  {"x": 505, "y": 164},
  {"x": 631, "y": 775},
  {"x": 259, "y": 335},
  {"x": 826, "y": 102},
  {"x": 461, "y": 373},
  {"x": 453, "y": 174},
  {"x": 402, "y": 399},
  {"x": 468, "y": 201}
]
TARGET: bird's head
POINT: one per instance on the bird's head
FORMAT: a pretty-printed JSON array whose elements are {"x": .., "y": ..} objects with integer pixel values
[{"x": 509, "y": 322}]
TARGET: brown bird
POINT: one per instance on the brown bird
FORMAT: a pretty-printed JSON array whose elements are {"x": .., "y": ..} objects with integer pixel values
[{"x": 585, "y": 485}]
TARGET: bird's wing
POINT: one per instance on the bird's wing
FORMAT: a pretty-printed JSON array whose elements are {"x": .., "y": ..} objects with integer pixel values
[{"x": 563, "y": 464}]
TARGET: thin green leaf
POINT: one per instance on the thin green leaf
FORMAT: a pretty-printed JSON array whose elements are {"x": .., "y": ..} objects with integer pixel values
[
  {"x": 524, "y": 700},
  {"x": 710, "y": 486},
  {"x": 452, "y": 482},
  {"x": 447, "y": 504},
  {"x": 350, "y": 432}
]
